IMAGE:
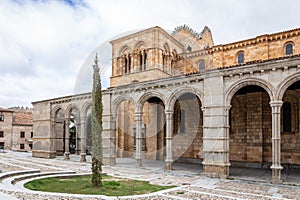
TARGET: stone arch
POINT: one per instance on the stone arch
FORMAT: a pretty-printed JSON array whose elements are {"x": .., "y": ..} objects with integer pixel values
[
  {"x": 118, "y": 101},
  {"x": 145, "y": 97},
  {"x": 69, "y": 109},
  {"x": 123, "y": 50},
  {"x": 180, "y": 91},
  {"x": 284, "y": 85},
  {"x": 246, "y": 82},
  {"x": 57, "y": 129},
  {"x": 85, "y": 108},
  {"x": 139, "y": 44},
  {"x": 174, "y": 53},
  {"x": 166, "y": 47},
  {"x": 55, "y": 110}
]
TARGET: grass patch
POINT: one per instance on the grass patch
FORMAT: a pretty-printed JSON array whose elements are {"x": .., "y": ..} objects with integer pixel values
[{"x": 111, "y": 186}]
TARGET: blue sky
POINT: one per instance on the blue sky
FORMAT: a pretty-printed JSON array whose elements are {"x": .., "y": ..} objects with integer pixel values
[{"x": 46, "y": 47}]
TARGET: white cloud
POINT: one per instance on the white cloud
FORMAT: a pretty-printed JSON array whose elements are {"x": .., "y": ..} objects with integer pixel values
[{"x": 46, "y": 46}]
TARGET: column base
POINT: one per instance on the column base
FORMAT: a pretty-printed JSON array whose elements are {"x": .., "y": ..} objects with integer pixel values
[
  {"x": 168, "y": 165},
  {"x": 218, "y": 170},
  {"x": 67, "y": 156},
  {"x": 83, "y": 157},
  {"x": 138, "y": 162},
  {"x": 276, "y": 174},
  {"x": 109, "y": 161},
  {"x": 43, "y": 154}
]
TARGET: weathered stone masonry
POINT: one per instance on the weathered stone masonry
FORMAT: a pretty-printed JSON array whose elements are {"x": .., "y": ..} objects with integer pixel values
[{"x": 180, "y": 98}]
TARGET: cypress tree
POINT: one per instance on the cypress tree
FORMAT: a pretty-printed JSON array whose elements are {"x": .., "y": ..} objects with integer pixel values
[{"x": 96, "y": 115}]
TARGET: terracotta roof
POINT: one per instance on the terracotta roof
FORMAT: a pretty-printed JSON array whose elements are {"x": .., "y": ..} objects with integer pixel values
[{"x": 22, "y": 118}]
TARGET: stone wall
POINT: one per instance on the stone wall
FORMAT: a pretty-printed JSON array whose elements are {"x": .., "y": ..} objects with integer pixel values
[
  {"x": 16, "y": 120},
  {"x": 290, "y": 141},
  {"x": 17, "y": 140},
  {"x": 188, "y": 130},
  {"x": 6, "y": 127},
  {"x": 173, "y": 59},
  {"x": 250, "y": 136}
]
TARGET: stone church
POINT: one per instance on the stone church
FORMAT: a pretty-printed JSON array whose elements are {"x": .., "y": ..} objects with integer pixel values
[{"x": 178, "y": 97}]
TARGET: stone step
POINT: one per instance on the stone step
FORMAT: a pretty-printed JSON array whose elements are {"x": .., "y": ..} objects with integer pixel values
[
  {"x": 17, "y": 173},
  {"x": 35, "y": 175}
]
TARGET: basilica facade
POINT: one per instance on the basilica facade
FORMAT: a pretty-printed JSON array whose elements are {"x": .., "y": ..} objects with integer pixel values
[{"x": 178, "y": 97}]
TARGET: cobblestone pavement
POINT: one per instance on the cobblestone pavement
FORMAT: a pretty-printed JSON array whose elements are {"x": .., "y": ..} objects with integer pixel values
[{"x": 190, "y": 183}]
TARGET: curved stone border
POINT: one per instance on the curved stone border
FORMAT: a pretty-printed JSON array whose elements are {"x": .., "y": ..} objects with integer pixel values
[
  {"x": 16, "y": 173},
  {"x": 20, "y": 178},
  {"x": 54, "y": 194}
]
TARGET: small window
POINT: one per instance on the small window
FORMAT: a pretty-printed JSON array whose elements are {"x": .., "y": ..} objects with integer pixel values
[
  {"x": 22, "y": 146},
  {"x": 1, "y": 118},
  {"x": 22, "y": 134},
  {"x": 201, "y": 65},
  {"x": 289, "y": 49},
  {"x": 240, "y": 58},
  {"x": 31, "y": 134},
  {"x": 30, "y": 146},
  {"x": 1, "y": 134},
  {"x": 189, "y": 49}
]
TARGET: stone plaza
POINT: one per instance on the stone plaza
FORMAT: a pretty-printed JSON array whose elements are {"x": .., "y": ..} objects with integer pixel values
[{"x": 20, "y": 167}]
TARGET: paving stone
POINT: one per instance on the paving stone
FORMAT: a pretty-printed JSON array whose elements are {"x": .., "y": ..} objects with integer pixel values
[{"x": 190, "y": 183}]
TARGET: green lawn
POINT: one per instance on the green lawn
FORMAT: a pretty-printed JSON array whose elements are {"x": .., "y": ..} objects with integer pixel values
[{"x": 111, "y": 186}]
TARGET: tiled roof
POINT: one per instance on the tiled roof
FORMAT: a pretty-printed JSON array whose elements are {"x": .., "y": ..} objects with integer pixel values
[{"x": 22, "y": 118}]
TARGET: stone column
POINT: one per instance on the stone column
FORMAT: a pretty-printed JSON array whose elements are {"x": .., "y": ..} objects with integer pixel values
[
  {"x": 52, "y": 153},
  {"x": 169, "y": 129},
  {"x": 215, "y": 141},
  {"x": 83, "y": 140},
  {"x": 109, "y": 131},
  {"x": 113, "y": 140},
  {"x": 227, "y": 138},
  {"x": 67, "y": 140},
  {"x": 276, "y": 151},
  {"x": 168, "y": 63},
  {"x": 139, "y": 138},
  {"x": 215, "y": 128},
  {"x": 77, "y": 138}
]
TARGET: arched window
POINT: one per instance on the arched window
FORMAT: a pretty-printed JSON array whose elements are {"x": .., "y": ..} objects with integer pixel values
[
  {"x": 201, "y": 65},
  {"x": 287, "y": 117},
  {"x": 145, "y": 60},
  {"x": 240, "y": 58},
  {"x": 125, "y": 63},
  {"x": 129, "y": 63},
  {"x": 141, "y": 61},
  {"x": 289, "y": 49}
]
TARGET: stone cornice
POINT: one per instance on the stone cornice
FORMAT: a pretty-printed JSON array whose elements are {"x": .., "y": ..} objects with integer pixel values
[
  {"x": 66, "y": 98},
  {"x": 149, "y": 30},
  {"x": 262, "y": 67},
  {"x": 256, "y": 40}
]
